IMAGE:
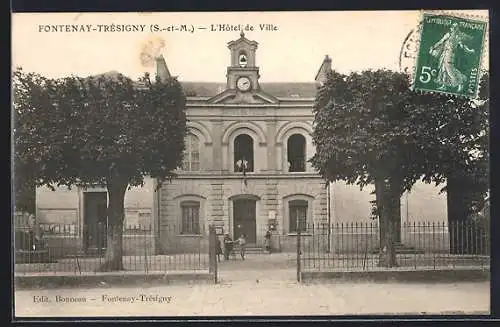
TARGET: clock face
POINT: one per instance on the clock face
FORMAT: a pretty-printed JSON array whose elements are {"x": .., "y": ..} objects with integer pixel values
[{"x": 244, "y": 84}]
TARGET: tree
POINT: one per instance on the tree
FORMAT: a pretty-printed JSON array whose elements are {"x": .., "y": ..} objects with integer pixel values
[
  {"x": 371, "y": 128},
  {"x": 31, "y": 92},
  {"x": 367, "y": 132},
  {"x": 103, "y": 130},
  {"x": 461, "y": 150}
]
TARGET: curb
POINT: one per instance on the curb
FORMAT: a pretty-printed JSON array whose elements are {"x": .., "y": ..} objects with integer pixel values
[
  {"x": 109, "y": 280},
  {"x": 423, "y": 276}
]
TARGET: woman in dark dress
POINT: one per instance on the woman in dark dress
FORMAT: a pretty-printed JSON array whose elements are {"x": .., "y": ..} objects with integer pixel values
[
  {"x": 228, "y": 246},
  {"x": 267, "y": 241},
  {"x": 218, "y": 249}
]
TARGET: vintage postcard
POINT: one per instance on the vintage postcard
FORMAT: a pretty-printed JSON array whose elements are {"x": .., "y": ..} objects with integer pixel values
[{"x": 250, "y": 164}]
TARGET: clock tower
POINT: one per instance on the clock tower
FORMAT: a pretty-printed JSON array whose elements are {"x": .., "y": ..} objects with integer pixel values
[{"x": 243, "y": 74}]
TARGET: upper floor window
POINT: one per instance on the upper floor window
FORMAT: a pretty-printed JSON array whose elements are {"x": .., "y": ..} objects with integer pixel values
[
  {"x": 296, "y": 148},
  {"x": 243, "y": 153},
  {"x": 190, "y": 218},
  {"x": 298, "y": 215},
  {"x": 191, "y": 160}
]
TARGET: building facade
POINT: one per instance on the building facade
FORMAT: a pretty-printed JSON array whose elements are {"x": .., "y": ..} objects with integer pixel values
[
  {"x": 245, "y": 170},
  {"x": 246, "y": 162}
]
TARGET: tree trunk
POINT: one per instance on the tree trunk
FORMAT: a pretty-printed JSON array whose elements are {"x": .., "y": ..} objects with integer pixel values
[
  {"x": 25, "y": 195},
  {"x": 396, "y": 211},
  {"x": 457, "y": 214},
  {"x": 113, "y": 259},
  {"x": 385, "y": 206}
]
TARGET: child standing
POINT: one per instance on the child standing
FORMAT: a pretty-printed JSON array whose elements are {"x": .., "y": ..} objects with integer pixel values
[{"x": 242, "y": 241}]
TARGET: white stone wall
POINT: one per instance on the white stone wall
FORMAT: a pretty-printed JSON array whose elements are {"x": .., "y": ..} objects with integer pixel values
[
  {"x": 65, "y": 206},
  {"x": 423, "y": 204}
]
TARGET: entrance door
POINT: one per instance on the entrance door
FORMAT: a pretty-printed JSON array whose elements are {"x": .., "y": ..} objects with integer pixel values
[
  {"x": 244, "y": 219},
  {"x": 95, "y": 220}
]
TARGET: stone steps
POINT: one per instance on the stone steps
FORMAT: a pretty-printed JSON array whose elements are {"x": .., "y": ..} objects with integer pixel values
[{"x": 253, "y": 249}]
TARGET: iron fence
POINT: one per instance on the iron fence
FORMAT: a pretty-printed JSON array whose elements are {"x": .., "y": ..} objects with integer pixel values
[
  {"x": 60, "y": 248},
  {"x": 418, "y": 245}
]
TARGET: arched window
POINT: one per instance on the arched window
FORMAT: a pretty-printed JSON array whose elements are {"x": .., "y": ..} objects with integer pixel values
[
  {"x": 296, "y": 148},
  {"x": 242, "y": 59},
  {"x": 298, "y": 215},
  {"x": 243, "y": 153},
  {"x": 191, "y": 160}
]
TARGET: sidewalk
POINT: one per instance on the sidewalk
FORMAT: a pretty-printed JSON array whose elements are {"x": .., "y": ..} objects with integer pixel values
[
  {"x": 273, "y": 295},
  {"x": 119, "y": 278}
]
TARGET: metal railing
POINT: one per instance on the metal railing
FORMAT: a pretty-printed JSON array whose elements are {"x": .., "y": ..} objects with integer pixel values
[
  {"x": 418, "y": 245},
  {"x": 59, "y": 248}
]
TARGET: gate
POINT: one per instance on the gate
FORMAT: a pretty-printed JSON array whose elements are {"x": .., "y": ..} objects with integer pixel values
[{"x": 212, "y": 253}]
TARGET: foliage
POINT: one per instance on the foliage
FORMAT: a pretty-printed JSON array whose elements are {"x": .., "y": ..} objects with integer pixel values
[
  {"x": 466, "y": 145},
  {"x": 371, "y": 128},
  {"x": 365, "y": 126},
  {"x": 74, "y": 131},
  {"x": 102, "y": 130},
  {"x": 372, "y": 123}
]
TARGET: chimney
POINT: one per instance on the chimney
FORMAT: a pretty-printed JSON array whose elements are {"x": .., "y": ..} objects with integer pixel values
[
  {"x": 162, "y": 69},
  {"x": 325, "y": 67}
]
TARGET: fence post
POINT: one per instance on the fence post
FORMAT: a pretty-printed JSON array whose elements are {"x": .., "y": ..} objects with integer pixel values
[
  {"x": 298, "y": 256},
  {"x": 212, "y": 254}
]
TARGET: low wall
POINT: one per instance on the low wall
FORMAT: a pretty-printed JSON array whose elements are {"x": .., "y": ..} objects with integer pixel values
[
  {"x": 425, "y": 276},
  {"x": 138, "y": 244},
  {"x": 118, "y": 279},
  {"x": 63, "y": 246},
  {"x": 183, "y": 244}
]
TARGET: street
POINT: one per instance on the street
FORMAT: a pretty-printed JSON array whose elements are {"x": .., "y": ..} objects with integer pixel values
[{"x": 257, "y": 292}]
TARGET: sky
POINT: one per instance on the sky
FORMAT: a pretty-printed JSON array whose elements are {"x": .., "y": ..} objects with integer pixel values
[{"x": 293, "y": 53}]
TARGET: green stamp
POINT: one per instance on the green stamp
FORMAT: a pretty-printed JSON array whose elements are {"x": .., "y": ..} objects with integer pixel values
[{"x": 449, "y": 55}]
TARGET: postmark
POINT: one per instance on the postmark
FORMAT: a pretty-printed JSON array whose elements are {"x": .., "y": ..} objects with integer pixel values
[{"x": 449, "y": 56}]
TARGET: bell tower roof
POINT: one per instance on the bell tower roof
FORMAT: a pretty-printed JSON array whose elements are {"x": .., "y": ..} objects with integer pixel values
[{"x": 242, "y": 40}]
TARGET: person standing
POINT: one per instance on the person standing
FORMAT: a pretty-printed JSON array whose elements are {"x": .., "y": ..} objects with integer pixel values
[
  {"x": 267, "y": 241},
  {"x": 228, "y": 246},
  {"x": 218, "y": 249},
  {"x": 242, "y": 242}
]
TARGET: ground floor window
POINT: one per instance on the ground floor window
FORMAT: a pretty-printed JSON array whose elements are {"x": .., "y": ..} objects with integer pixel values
[
  {"x": 298, "y": 215},
  {"x": 190, "y": 218}
]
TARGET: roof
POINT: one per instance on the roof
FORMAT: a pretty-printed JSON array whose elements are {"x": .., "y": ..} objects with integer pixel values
[
  {"x": 277, "y": 89},
  {"x": 325, "y": 65}
]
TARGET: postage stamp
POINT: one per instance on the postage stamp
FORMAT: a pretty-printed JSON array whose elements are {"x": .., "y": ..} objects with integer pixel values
[{"x": 449, "y": 54}]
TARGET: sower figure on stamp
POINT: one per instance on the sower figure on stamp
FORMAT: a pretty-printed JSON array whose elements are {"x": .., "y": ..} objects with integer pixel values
[{"x": 445, "y": 50}]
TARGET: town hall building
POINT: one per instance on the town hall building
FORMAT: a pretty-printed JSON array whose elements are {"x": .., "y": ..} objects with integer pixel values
[
  {"x": 246, "y": 170},
  {"x": 246, "y": 163}
]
